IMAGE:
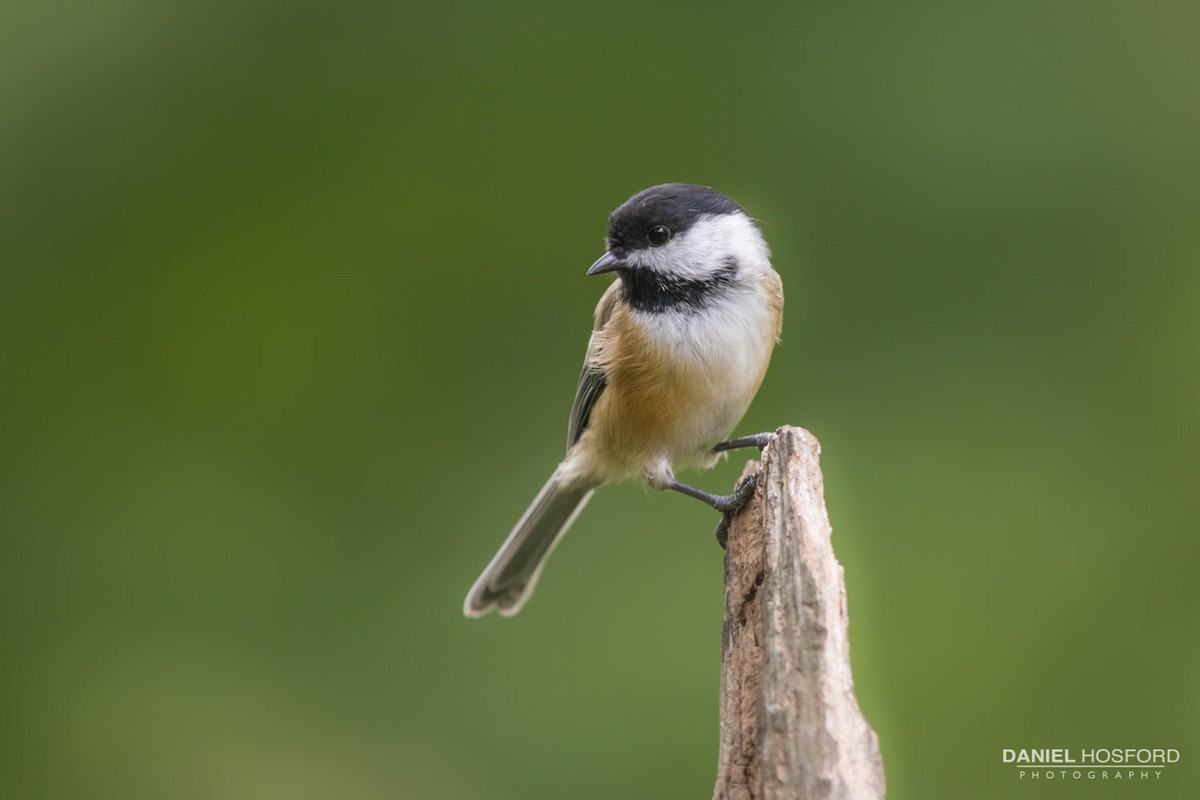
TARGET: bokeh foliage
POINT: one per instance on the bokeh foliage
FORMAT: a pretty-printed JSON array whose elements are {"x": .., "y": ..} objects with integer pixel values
[{"x": 292, "y": 306}]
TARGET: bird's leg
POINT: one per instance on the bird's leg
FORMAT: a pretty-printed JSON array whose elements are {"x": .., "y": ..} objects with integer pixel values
[
  {"x": 727, "y": 504},
  {"x": 721, "y": 502},
  {"x": 758, "y": 440}
]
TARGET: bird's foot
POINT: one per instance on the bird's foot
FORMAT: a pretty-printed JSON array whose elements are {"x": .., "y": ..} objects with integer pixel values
[
  {"x": 758, "y": 440},
  {"x": 741, "y": 495}
]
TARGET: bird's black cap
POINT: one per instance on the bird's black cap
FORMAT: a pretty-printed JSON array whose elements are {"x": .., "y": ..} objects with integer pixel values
[{"x": 675, "y": 205}]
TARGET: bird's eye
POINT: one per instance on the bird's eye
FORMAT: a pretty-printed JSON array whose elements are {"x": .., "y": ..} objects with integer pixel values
[{"x": 659, "y": 235}]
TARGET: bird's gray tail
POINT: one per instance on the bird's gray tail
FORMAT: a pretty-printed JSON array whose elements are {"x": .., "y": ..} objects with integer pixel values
[{"x": 509, "y": 579}]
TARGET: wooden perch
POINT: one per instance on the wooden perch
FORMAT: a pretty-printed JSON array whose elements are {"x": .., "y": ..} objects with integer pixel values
[{"x": 791, "y": 728}]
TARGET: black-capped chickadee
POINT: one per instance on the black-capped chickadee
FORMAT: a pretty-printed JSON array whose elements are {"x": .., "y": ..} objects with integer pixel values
[{"x": 681, "y": 343}]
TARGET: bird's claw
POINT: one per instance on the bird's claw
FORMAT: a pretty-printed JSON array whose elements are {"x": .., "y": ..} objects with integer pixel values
[{"x": 741, "y": 495}]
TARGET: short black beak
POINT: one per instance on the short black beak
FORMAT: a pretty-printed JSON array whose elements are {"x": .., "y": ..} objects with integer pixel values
[{"x": 606, "y": 263}]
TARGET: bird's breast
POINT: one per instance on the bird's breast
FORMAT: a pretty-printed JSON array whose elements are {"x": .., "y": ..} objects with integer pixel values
[{"x": 679, "y": 382}]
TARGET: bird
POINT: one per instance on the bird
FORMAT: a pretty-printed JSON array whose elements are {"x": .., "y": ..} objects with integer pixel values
[{"x": 679, "y": 347}]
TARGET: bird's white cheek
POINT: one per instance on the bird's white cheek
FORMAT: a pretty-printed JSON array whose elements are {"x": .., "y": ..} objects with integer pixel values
[{"x": 706, "y": 246}]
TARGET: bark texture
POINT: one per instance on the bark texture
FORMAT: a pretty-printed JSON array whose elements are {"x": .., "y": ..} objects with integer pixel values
[{"x": 791, "y": 728}]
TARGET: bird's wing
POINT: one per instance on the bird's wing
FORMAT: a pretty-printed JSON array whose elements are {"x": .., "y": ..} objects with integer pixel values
[{"x": 592, "y": 380}]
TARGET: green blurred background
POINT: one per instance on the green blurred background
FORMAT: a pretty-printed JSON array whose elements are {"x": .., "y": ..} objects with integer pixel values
[{"x": 292, "y": 306}]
